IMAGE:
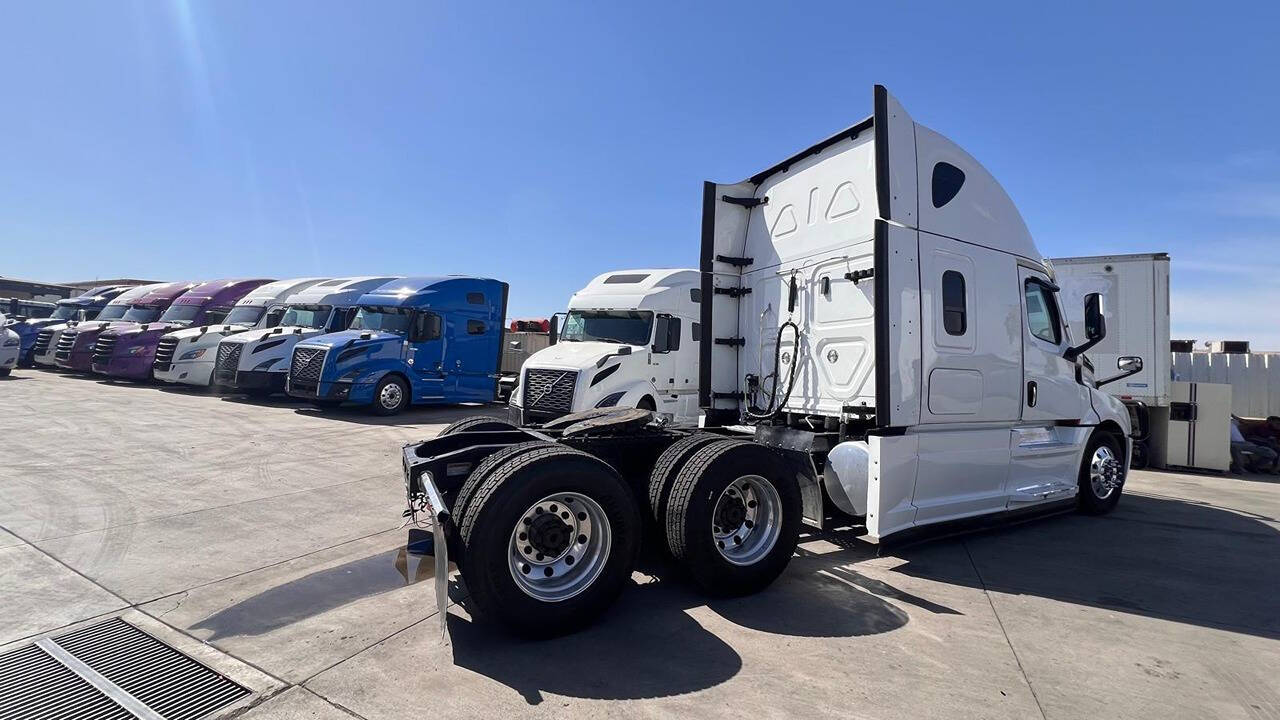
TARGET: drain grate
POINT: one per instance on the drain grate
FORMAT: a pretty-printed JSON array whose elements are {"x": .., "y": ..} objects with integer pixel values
[{"x": 106, "y": 671}]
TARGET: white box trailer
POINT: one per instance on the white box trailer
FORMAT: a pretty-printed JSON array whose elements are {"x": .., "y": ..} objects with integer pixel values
[
  {"x": 1179, "y": 427},
  {"x": 1135, "y": 289},
  {"x": 879, "y": 336}
]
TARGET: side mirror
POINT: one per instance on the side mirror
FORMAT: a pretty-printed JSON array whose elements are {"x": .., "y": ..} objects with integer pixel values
[
  {"x": 661, "y": 334},
  {"x": 555, "y": 329},
  {"x": 1095, "y": 325},
  {"x": 1128, "y": 365}
]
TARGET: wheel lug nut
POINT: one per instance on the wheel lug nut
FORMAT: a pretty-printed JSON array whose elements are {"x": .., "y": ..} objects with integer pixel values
[
  {"x": 538, "y": 557},
  {"x": 524, "y": 536},
  {"x": 737, "y": 540},
  {"x": 582, "y": 516},
  {"x": 527, "y": 521},
  {"x": 538, "y": 510},
  {"x": 527, "y": 549},
  {"x": 568, "y": 560},
  {"x": 749, "y": 524},
  {"x": 548, "y": 572},
  {"x": 553, "y": 507},
  {"x": 564, "y": 516},
  {"x": 524, "y": 568},
  {"x": 751, "y": 503},
  {"x": 582, "y": 539}
]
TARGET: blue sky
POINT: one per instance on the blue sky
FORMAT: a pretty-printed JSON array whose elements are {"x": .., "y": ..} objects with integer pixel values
[{"x": 543, "y": 143}]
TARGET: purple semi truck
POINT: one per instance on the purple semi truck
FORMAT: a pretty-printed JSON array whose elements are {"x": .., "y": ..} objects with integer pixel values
[
  {"x": 143, "y": 304},
  {"x": 128, "y": 351}
]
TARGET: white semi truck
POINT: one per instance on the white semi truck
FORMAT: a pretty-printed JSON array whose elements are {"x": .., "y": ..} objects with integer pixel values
[
  {"x": 629, "y": 339},
  {"x": 257, "y": 361},
  {"x": 10, "y": 345},
  {"x": 879, "y": 336},
  {"x": 187, "y": 356}
]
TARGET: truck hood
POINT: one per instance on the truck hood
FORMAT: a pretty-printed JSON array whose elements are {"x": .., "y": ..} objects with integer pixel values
[
  {"x": 262, "y": 335},
  {"x": 342, "y": 338},
  {"x": 31, "y": 324},
  {"x": 97, "y": 325},
  {"x": 144, "y": 331},
  {"x": 207, "y": 332},
  {"x": 576, "y": 355}
]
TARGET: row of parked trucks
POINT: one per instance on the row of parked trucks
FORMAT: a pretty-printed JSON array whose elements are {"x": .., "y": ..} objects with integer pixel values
[{"x": 871, "y": 339}]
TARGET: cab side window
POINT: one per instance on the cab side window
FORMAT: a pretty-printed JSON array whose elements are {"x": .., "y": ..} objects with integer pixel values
[
  {"x": 1042, "y": 312},
  {"x": 426, "y": 327}
]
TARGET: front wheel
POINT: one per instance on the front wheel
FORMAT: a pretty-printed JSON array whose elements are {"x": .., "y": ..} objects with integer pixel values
[
  {"x": 1102, "y": 474},
  {"x": 390, "y": 396}
]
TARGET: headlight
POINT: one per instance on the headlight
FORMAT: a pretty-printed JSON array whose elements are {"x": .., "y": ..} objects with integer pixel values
[
  {"x": 12, "y": 342},
  {"x": 192, "y": 354},
  {"x": 610, "y": 400}
]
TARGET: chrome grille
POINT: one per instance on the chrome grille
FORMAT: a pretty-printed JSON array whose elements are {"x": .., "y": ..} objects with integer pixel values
[
  {"x": 66, "y": 341},
  {"x": 127, "y": 667},
  {"x": 228, "y": 360},
  {"x": 549, "y": 390},
  {"x": 103, "y": 349},
  {"x": 306, "y": 365},
  {"x": 43, "y": 338},
  {"x": 165, "y": 350}
]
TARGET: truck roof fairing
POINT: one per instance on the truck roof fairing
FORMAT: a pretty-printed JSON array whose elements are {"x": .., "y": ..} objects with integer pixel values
[
  {"x": 163, "y": 293},
  {"x": 426, "y": 291},
  {"x": 649, "y": 289},
  {"x": 339, "y": 291},
  {"x": 276, "y": 291},
  {"x": 131, "y": 295},
  {"x": 226, "y": 290},
  {"x": 95, "y": 296}
]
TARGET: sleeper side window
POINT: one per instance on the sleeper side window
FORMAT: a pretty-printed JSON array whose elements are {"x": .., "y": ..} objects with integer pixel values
[
  {"x": 954, "y": 317},
  {"x": 1042, "y": 312}
]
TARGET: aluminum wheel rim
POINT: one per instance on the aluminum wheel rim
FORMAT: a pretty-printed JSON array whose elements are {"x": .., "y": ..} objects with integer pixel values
[
  {"x": 746, "y": 520},
  {"x": 1104, "y": 472},
  {"x": 391, "y": 395},
  {"x": 544, "y": 570}
]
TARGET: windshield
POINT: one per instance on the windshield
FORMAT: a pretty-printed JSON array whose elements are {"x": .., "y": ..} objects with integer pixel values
[
  {"x": 112, "y": 312},
  {"x": 387, "y": 319},
  {"x": 307, "y": 316},
  {"x": 65, "y": 312},
  {"x": 141, "y": 314},
  {"x": 244, "y": 316},
  {"x": 183, "y": 314},
  {"x": 630, "y": 327}
]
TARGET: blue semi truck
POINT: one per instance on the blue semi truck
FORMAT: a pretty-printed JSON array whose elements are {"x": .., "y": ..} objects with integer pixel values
[{"x": 421, "y": 340}]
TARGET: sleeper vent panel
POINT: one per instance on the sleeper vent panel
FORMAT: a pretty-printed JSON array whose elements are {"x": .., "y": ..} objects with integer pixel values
[{"x": 33, "y": 684}]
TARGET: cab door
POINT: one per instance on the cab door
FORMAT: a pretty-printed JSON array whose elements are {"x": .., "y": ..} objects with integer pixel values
[
  {"x": 1045, "y": 445},
  {"x": 1050, "y": 390},
  {"x": 426, "y": 356}
]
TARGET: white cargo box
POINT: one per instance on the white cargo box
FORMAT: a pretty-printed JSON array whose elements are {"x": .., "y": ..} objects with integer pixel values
[{"x": 1135, "y": 290}]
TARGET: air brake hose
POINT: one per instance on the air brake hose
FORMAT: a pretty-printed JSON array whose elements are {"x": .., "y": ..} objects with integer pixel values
[{"x": 775, "y": 407}]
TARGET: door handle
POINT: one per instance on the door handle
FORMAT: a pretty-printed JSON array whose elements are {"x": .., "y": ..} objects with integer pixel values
[{"x": 1031, "y": 393}]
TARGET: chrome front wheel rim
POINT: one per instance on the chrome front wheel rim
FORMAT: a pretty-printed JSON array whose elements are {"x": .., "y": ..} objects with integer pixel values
[
  {"x": 1104, "y": 472},
  {"x": 391, "y": 395},
  {"x": 746, "y": 521},
  {"x": 559, "y": 546}
]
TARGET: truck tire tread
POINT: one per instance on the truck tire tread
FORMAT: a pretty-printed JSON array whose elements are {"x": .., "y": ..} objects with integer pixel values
[{"x": 668, "y": 464}]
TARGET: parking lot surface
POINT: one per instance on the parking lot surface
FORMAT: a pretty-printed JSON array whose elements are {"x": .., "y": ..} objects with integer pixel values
[{"x": 263, "y": 538}]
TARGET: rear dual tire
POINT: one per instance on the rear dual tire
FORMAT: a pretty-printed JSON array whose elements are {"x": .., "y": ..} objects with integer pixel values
[{"x": 548, "y": 537}]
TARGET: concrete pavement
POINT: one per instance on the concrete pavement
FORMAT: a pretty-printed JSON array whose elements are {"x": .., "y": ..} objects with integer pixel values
[{"x": 263, "y": 537}]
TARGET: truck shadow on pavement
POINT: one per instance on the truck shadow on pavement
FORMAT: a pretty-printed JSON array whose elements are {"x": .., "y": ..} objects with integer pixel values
[
  {"x": 1165, "y": 558},
  {"x": 417, "y": 415},
  {"x": 662, "y": 638}
]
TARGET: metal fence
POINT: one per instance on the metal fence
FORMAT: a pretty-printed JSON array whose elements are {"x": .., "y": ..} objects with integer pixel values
[{"x": 1254, "y": 378}]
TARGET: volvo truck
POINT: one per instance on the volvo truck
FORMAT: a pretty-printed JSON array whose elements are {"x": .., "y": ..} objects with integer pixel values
[
  {"x": 139, "y": 305},
  {"x": 256, "y": 362},
  {"x": 73, "y": 311},
  {"x": 629, "y": 339},
  {"x": 187, "y": 356},
  {"x": 882, "y": 345},
  {"x": 81, "y": 307},
  {"x": 421, "y": 340},
  {"x": 128, "y": 351}
]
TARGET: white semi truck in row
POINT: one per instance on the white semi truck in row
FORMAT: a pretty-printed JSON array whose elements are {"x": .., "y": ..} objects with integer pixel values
[
  {"x": 880, "y": 339},
  {"x": 629, "y": 340},
  {"x": 187, "y": 356},
  {"x": 257, "y": 361}
]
